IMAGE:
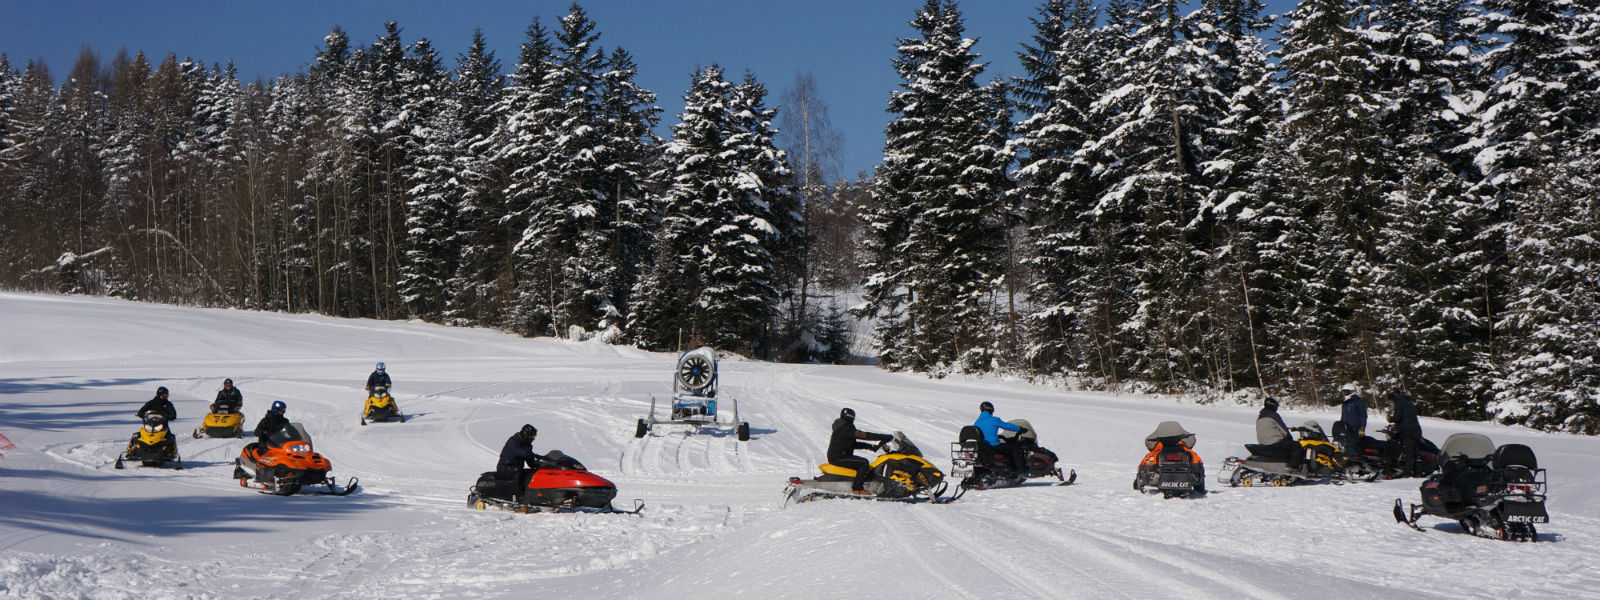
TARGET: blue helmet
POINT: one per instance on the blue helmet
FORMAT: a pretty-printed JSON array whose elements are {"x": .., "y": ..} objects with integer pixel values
[
  {"x": 380, "y": 366},
  {"x": 278, "y": 406}
]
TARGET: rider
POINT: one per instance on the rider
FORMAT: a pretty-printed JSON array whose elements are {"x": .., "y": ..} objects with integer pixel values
[
  {"x": 842, "y": 446},
  {"x": 990, "y": 426},
  {"x": 228, "y": 396},
  {"x": 1408, "y": 431},
  {"x": 1274, "y": 434},
  {"x": 159, "y": 404},
  {"x": 517, "y": 452},
  {"x": 271, "y": 423},
  {"x": 1354, "y": 415},
  {"x": 377, "y": 378}
]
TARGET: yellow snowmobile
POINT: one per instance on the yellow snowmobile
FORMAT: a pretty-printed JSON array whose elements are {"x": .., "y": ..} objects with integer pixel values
[
  {"x": 381, "y": 407},
  {"x": 226, "y": 420},
  {"x": 153, "y": 445},
  {"x": 900, "y": 473}
]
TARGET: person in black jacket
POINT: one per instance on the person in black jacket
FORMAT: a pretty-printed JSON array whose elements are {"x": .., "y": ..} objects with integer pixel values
[
  {"x": 161, "y": 405},
  {"x": 377, "y": 378},
  {"x": 843, "y": 444},
  {"x": 1403, "y": 417},
  {"x": 271, "y": 423},
  {"x": 1354, "y": 415},
  {"x": 229, "y": 399},
  {"x": 517, "y": 452}
]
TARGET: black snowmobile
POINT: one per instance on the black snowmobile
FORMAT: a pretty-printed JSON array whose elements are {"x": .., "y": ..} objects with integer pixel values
[
  {"x": 1490, "y": 492},
  {"x": 1171, "y": 468},
  {"x": 153, "y": 445},
  {"x": 1318, "y": 461},
  {"x": 1368, "y": 458},
  {"x": 900, "y": 473},
  {"x": 983, "y": 467}
]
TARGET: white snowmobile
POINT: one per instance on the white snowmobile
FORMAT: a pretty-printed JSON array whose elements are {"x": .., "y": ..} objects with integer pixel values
[{"x": 694, "y": 398}]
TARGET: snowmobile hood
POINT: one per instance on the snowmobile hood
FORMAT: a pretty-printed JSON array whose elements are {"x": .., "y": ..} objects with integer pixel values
[{"x": 567, "y": 479}]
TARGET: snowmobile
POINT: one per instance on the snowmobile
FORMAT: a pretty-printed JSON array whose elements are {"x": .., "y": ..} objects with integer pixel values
[
  {"x": 226, "y": 420},
  {"x": 1368, "y": 458},
  {"x": 694, "y": 397},
  {"x": 153, "y": 445},
  {"x": 1171, "y": 467},
  {"x": 561, "y": 484},
  {"x": 900, "y": 473},
  {"x": 983, "y": 467},
  {"x": 286, "y": 464},
  {"x": 381, "y": 407},
  {"x": 1319, "y": 462},
  {"x": 1491, "y": 492}
]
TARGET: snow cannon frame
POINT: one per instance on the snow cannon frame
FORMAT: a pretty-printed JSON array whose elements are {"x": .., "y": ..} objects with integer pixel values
[{"x": 694, "y": 397}]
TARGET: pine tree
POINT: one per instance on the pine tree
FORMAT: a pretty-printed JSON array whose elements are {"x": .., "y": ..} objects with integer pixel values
[
  {"x": 934, "y": 248},
  {"x": 628, "y": 117},
  {"x": 530, "y": 104},
  {"x": 475, "y": 98},
  {"x": 429, "y": 141}
]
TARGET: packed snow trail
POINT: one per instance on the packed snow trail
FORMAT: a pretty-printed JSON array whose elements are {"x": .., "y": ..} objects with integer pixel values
[{"x": 73, "y": 370}]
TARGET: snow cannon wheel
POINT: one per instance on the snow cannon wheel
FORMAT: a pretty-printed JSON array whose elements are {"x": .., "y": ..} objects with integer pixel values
[
  {"x": 641, "y": 429},
  {"x": 744, "y": 431}
]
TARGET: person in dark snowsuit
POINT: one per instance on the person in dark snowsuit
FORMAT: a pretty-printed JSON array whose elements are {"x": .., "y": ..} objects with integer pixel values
[
  {"x": 1272, "y": 433},
  {"x": 517, "y": 452},
  {"x": 990, "y": 426},
  {"x": 377, "y": 378},
  {"x": 1353, "y": 413},
  {"x": 159, "y": 404},
  {"x": 1407, "y": 429},
  {"x": 270, "y": 424},
  {"x": 843, "y": 444},
  {"x": 229, "y": 398}
]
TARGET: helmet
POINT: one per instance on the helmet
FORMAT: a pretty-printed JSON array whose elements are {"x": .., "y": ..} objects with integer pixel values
[
  {"x": 227, "y": 382},
  {"x": 987, "y": 407},
  {"x": 1270, "y": 403},
  {"x": 380, "y": 366},
  {"x": 278, "y": 406},
  {"x": 1398, "y": 395},
  {"x": 1348, "y": 388},
  {"x": 528, "y": 431},
  {"x": 161, "y": 391},
  {"x": 847, "y": 414}
]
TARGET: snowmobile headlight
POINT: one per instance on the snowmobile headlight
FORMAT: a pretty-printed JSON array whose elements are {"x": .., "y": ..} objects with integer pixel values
[{"x": 300, "y": 448}]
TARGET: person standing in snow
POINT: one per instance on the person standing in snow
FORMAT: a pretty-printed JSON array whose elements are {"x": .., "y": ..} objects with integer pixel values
[
  {"x": 1354, "y": 415},
  {"x": 990, "y": 426},
  {"x": 160, "y": 405},
  {"x": 377, "y": 378},
  {"x": 1407, "y": 430},
  {"x": 1273, "y": 433},
  {"x": 843, "y": 444}
]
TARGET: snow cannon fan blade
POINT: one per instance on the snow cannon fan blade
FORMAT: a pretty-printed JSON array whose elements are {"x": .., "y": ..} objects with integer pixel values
[{"x": 695, "y": 371}]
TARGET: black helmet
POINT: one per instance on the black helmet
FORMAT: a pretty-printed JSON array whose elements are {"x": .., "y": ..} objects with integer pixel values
[
  {"x": 1398, "y": 395},
  {"x": 528, "y": 431},
  {"x": 847, "y": 414},
  {"x": 227, "y": 382},
  {"x": 987, "y": 407},
  {"x": 1270, "y": 403},
  {"x": 161, "y": 391}
]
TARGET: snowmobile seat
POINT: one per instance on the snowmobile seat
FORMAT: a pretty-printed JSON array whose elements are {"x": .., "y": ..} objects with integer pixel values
[
  {"x": 1165, "y": 430},
  {"x": 1516, "y": 463},
  {"x": 1473, "y": 449},
  {"x": 970, "y": 437},
  {"x": 833, "y": 469}
]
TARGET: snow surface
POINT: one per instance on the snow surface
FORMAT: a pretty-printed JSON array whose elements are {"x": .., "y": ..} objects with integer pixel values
[{"x": 73, "y": 370}]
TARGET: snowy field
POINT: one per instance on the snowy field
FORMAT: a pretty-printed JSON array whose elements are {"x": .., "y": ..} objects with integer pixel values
[{"x": 73, "y": 370}]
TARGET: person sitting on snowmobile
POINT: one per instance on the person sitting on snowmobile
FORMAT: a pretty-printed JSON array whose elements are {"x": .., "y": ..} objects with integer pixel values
[
  {"x": 377, "y": 378},
  {"x": 1407, "y": 429},
  {"x": 1354, "y": 416},
  {"x": 842, "y": 446},
  {"x": 990, "y": 426},
  {"x": 1274, "y": 434},
  {"x": 271, "y": 423},
  {"x": 517, "y": 452},
  {"x": 159, "y": 404},
  {"x": 228, "y": 396}
]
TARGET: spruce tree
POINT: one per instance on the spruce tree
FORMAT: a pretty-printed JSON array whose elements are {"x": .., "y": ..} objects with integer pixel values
[{"x": 478, "y": 235}]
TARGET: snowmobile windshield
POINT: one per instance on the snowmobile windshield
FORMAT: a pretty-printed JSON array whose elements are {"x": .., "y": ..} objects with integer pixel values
[
  {"x": 901, "y": 445},
  {"x": 293, "y": 432}
]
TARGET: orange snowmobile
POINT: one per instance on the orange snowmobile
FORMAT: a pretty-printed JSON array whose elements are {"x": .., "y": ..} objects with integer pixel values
[{"x": 287, "y": 463}]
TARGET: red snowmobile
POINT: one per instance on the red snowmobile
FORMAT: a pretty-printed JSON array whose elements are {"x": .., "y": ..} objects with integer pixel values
[{"x": 561, "y": 484}]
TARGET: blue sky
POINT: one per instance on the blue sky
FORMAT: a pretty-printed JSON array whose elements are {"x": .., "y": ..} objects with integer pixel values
[{"x": 846, "y": 45}]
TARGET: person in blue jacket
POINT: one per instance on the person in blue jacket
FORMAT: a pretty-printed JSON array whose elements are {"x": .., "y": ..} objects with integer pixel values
[
  {"x": 990, "y": 426},
  {"x": 377, "y": 378},
  {"x": 1354, "y": 415}
]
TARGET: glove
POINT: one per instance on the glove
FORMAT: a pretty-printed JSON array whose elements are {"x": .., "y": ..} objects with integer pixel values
[
  {"x": 1023, "y": 431},
  {"x": 879, "y": 447}
]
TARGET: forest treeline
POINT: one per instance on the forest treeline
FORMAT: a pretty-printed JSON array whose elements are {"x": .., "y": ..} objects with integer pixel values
[{"x": 1400, "y": 193}]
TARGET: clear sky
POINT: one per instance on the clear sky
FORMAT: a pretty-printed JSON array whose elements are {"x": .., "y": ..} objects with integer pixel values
[{"x": 846, "y": 45}]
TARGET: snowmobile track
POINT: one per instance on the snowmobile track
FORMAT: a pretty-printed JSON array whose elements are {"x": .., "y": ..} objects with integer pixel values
[{"x": 977, "y": 550}]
